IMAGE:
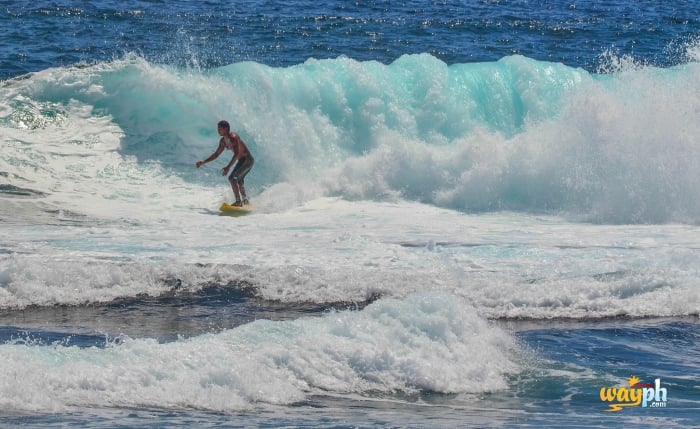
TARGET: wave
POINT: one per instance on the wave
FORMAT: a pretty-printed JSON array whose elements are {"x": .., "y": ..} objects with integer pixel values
[
  {"x": 516, "y": 134},
  {"x": 86, "y": 281},
  {"x": 425, "y": 343}
]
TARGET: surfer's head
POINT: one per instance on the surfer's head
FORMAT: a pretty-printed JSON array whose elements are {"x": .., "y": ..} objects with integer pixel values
[{"x": 224, "y": 125}]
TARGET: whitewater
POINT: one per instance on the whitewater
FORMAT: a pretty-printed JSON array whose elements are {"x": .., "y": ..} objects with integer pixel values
[
  {"x": 432, "y": 244},
  {"x": 107, "y": 152}
]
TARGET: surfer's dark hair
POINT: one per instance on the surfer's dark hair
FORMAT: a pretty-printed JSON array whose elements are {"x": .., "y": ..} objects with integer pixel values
[{"x": 224, "y": 125}]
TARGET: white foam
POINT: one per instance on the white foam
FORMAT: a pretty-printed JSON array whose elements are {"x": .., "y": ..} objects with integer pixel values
[
  {"x": 330, "y": 250},
  {"x": 121, "y": 137},
  {"x": 431, "y": 342},
  {"x": 115, "y": 222}
]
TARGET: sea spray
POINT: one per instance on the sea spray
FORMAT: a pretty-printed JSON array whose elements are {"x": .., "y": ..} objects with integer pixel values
[{"x": 516, "y": 134}]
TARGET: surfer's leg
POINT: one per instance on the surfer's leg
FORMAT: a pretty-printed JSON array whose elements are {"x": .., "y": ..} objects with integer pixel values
[
  {"x": 243, "y": 194},
  {"x": 235, "y": 187},
  {"x": 238, "y": 176},
  {"x": 236, "y": 193},
  {"x": 242, "y": 168}
]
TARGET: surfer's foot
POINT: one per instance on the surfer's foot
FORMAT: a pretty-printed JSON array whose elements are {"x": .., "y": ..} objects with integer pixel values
[
  {"x": 237, "y": 204},
  {"x": 246, "y": 202}
]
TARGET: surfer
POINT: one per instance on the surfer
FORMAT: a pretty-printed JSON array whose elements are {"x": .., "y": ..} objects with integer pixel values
[{"x": 233, "y": 142}]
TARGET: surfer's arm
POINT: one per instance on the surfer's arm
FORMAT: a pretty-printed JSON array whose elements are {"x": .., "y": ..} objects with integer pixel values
[
  {"x": 224, "y": 171},
  {"x": 213, "y": 156},
  {"x": 234, "y": 158}
]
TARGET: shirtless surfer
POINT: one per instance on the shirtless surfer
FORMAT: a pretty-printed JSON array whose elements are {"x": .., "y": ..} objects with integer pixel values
[{"x": 233, "y": 142}]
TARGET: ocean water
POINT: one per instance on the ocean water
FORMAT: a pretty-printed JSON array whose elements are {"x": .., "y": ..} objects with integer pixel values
[{"x": 466, "y": 214}]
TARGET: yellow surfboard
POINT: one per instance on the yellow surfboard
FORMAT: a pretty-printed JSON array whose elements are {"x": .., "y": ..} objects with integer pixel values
[{"x": 228, "y": 208}]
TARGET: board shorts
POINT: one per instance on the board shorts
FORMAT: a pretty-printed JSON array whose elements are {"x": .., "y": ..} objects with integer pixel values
[{"x": 242, "y": 168}]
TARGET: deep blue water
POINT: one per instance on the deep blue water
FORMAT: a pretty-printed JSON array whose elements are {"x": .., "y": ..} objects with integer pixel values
[
  {"x": 42, "y": 34},
  {"x": 614, "y": 82}
]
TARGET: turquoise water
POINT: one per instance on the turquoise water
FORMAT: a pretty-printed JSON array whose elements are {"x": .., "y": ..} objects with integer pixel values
[{"x": 466, "y": 214}]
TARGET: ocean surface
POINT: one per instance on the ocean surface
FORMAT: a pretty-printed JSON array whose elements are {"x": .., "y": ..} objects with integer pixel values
[{"x": 466, "y": 214}]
